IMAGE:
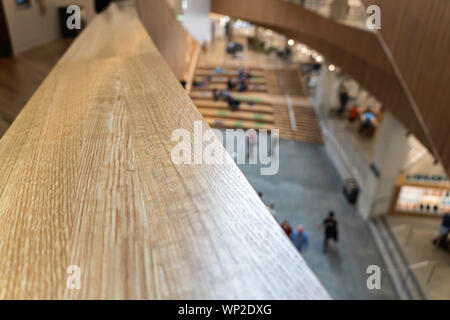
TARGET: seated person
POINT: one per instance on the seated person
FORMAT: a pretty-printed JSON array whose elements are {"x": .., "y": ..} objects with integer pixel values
[
  {"x": 242, "y": 86},
  {"x": 216, "y": 94},
  {"x": 230, "y": 84},
  {"x": 241, "y": 73},
  {"x": 368, "y": 121},
  {"x": 225, "y": 94},
  {"x": 445, "y": 225},
  {"x": 247, "y": 74},
  {"x": 233, "y": 103}
]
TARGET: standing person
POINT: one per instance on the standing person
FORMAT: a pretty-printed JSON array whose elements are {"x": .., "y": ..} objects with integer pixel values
[
  {"x": 300, "y": 239},
  {"x": 343, "y": 98},
  {"x": 271, "y": 208},
  {"x": 331, "y": 231},
  {"x": 274, "y": 143},
  {"x": 229, "y": 30},
  {"x": 215, "y": 93},
  {"x": 230, "y": 84},
  {"x": 286, "y": 228},
  {"x": 353, "y": 114},
  {"x": 204, "y": 47},
  {"x": 252, "y": 144},
  {"x": 445, "y": 225}
]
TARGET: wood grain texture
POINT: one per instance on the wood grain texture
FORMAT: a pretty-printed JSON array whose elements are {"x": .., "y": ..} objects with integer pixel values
[
  {"x": 86, "y": 179},
  {"x": 358, "y": 52}
]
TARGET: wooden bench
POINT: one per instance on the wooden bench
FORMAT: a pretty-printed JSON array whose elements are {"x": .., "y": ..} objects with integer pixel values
[
  {"x": 224, "y": 105},
  {"x": 240, "y": 97},
  {"x": 212, "y": 72},
  {"x": 223, "y": 86},
  {"x": 224, "y": 79},
  {"x": 234, "y": 124},
  {"x": 236, "y": 115}
]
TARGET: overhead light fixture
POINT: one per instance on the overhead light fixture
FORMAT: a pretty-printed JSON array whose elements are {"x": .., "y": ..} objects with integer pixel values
[
  {"x": 319, "y": 58},
  {"x": 290, "y": 42},
  {"x": 331, "y": 67}
]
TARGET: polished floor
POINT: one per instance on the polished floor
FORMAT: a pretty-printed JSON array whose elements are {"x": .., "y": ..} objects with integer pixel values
[{"x": 21, "y": 75}]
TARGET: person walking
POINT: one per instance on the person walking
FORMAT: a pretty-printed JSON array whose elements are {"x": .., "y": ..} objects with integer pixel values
[
  {"x": 331, "y": 231},
  {"x": 286, "y": 228},
  {"x": 344, "y": 97},
  {"x": 445, "y": 225},
  {"x": 300, "y": 239}
]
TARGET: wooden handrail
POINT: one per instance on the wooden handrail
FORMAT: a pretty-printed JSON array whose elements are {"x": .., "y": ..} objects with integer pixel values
[{"x": 87, "y": 180}]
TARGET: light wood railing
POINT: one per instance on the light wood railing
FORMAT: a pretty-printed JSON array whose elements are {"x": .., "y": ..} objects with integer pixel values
[{"x": 87, "y": 181}]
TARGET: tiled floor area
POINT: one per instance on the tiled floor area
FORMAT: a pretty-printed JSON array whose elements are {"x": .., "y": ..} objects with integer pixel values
[
  {"x": 430, "y": 265},
  {"x": 303, "y": 191}
]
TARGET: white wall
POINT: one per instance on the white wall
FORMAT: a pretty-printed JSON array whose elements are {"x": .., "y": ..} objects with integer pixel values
[
  {"x": 390, "y": 155},
  {"x": 29, "y": 28},
  {"x": 196, "y": 19}
]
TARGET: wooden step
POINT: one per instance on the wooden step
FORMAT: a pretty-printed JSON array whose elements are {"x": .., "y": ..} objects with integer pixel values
[
  {"x": 223, "y": 86},
  {"x": 212, "y": 72},
  {"x": 236, "y": 115},
  {"x": 242, "y": 98},
  {"x": 224, "y": 79},
  {"x": 242, "y": 107},
  {"x": 229, "y": 66},
  {"x": 226, "y": 123}
]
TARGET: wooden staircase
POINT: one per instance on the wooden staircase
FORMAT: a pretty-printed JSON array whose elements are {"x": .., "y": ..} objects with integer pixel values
[
  {"x": 301, "y": 124},
  {"x": 255, "y": 112}
]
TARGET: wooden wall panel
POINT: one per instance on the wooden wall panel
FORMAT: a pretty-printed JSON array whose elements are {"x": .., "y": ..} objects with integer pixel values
[
  {"x": 417, "y": 36},
  {"x": 174, "y": 43}
]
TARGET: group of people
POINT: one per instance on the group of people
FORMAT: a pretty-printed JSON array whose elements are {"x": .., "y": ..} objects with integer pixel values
[
  {"x": 368, "y": 119},
  {"x": 299, "y": 237},
  {"x": 367, "y": 116},
  {"x": 225, "y": 95},
  {"x": 241, "y": 85},
  {"x": 242, "y": 82}
]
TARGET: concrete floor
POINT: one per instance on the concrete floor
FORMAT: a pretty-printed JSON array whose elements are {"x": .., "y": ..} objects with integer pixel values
[{"x": 304, "y": 190}]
